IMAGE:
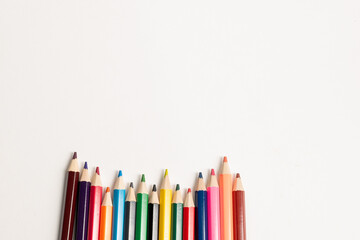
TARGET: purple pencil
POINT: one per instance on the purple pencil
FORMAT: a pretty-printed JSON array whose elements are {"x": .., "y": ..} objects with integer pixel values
[{"x": 83, "y": 205}]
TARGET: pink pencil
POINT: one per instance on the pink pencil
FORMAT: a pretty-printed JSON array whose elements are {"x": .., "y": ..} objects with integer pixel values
[{"x": 213, "y": 208}]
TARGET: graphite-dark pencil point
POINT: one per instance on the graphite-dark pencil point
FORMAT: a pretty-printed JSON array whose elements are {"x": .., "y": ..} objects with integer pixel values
[
  {"x": 75, "y": 155},
  {"x": 154, "y": 188},
  {"x": 200, "y": 175},
  {"x": 132, "y": 185}
]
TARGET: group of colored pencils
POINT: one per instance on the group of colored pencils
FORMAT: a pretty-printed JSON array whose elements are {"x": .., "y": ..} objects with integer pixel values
[{"x": 218, "y": 212}]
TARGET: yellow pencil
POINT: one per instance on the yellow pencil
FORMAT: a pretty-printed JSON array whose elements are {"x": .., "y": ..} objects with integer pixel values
[{"x": 165, "y": 208}]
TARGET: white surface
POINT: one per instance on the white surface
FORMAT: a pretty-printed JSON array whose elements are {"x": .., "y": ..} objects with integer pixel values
[{"x": 142, "y": 86}]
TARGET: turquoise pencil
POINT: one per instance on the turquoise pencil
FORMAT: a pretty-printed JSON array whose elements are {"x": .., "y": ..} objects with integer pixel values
[{"x": 118, "y": 208}]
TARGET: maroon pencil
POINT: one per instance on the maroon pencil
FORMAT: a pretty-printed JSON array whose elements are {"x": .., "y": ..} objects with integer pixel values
[
  {"x": 67, "y": 226},
  {"x": 239, "y": 209}
]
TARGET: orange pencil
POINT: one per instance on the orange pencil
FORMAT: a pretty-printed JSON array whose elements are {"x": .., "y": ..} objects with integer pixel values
[
  {"x": 106, "y": 216},
  {"x": 226, "y": 211}
]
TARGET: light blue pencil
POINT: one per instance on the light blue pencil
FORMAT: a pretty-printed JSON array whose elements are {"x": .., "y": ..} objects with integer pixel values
[{"x": 118, "y": 208}]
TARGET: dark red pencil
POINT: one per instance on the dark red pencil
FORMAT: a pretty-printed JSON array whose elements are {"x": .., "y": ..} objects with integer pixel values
[
  {"x": 189, "y": 217},
  {"x": 67, "y": 226},
  {"x": 239, "y": 209}
]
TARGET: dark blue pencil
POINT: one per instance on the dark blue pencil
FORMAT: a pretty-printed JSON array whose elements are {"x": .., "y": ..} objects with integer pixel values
[{"x": 201, "y": 228}]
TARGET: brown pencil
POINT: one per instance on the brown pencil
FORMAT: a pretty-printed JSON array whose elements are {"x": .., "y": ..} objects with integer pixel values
[
  {"x": 239, "y": 209},
  {"x": 67, "y": 228}
]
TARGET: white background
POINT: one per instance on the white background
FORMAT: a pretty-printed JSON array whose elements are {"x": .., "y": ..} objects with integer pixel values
[{"x": 143, "y": 86}]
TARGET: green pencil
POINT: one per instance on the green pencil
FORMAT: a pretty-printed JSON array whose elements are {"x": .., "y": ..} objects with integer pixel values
[
  {"x": 176, "y": 215},
  {"x": 142, "y": 200}
]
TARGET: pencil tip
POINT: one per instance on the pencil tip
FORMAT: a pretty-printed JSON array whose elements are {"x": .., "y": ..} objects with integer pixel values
[
  {"x": 238, "y": 175},
  {"x": 154, "y": 188},
  {"x": 189, "y": 190},
  {"x": 75, "y": 155},
  {"x": 166, "y": 173},
  {"x": 107, "y": 189},
  {"x": 212, "y": 172},
  {"x": 97, "y": 170},
  {"x": 85, "y": 165},
  {"x": 120, "y": 173},
  {"x": 200, "y": 175},
  {"x": 143, "y": 178},
  {"x": 177, "y": 187},
  {"x": 131, "y": 185},
  {"x": 225, "y": 159}
]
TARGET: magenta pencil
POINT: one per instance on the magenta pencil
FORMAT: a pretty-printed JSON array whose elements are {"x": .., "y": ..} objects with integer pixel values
[{"x": 213, "y": 208}]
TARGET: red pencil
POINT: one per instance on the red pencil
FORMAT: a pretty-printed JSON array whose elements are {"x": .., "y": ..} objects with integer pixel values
[
  {"x": 70, "y": 200},
  {"x": 95, "y": 206},
  {"x": 239, "y": 209},
  {"x": 189, "y": 217}
]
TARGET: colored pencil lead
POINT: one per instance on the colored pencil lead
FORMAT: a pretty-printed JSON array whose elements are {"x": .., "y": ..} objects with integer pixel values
[
  {"x": 200, "y": 175},
  {"x": 212, "y": 172},
  {"x": 177, "y": 187},
  {"x": 85, "y": 165},
  {"x": 154, "y": 188},
  {"x": 143, "y": 178},
  {"x": 107, "y": 189},
  {"x": 97, "y": 171},
  {"x": 75, "y": 155},
  {"x": 225, "y": 159},
  {"x": 189, "y": 190},
  {"x": 238, "y": 175},
  {"x": 131, "y": 185},
  {"x": 166, "y": 173},
  {"x": 120, "y": 173}
]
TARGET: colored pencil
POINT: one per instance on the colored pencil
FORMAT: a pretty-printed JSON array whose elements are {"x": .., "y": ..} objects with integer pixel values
[
  {"x": 130, "y": 214},
  {"x": 239, "y": 209},
  {"x": 142, "y": 201},
  {"x": 189, "y": 217},
  {"x": 213, "y": 208},
  {"x": 201, "y": 210},
  {"x": 176, "y": 215},
  {"x": 83, "y": 205},
  {"x": 68, "y": 219},
  {"x": 106, "y": 216},
  {"x": 153, "y": 215},
  {"x": 118, "y": 208},
  {"x": 226, "y": 212},
  {"x": 95, "y": 206},
  {"x": 165, "y": 208}
]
